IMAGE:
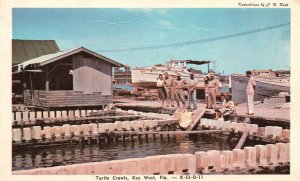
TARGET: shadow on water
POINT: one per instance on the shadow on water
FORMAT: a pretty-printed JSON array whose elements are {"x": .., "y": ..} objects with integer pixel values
[{"x": 73, "y": 154}]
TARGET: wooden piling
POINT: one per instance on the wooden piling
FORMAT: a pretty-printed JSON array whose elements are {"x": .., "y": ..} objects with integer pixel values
[{"x": 146, "y": 137}]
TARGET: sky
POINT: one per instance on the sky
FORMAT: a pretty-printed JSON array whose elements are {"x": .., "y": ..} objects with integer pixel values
[{"x": 111, "y": 29}]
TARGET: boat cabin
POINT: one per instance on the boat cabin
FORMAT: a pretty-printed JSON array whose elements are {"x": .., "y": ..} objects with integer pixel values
[
  {"x": 183, "y": 63},
  {"x": 176, "y": 64}
]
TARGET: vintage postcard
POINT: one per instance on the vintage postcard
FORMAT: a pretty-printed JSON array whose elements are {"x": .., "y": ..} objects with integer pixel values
[{"x": 170, "y": 90}]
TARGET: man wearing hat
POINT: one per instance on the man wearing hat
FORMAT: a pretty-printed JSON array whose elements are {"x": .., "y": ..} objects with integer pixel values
[
  {"x": 211, "y": 88},
  {"x": 192, "y": 83},
  {"x": 179, "y": 84}
]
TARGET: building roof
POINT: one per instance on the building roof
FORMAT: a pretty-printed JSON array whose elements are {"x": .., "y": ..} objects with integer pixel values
[
  {"x": 49, "y": 58},
  {"x": 28, "y": 49}
]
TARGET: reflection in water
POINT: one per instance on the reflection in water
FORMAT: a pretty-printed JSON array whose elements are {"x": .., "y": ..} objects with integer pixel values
[{"x": 71, "y": 154}]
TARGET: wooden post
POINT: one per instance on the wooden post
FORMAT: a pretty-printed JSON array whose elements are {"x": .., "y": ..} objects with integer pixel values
[
  {"x": 123, "y": 137},
  {"x": 31, "y": 88},
  {"x": 131, "y": 137},
  {"x": 47, "y": 78},
  {"x": 24, "y": 80},
  {"x": 105, "y": 137}
]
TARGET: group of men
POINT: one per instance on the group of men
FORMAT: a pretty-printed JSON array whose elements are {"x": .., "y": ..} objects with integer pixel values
[{"x": 171, "y": 89}]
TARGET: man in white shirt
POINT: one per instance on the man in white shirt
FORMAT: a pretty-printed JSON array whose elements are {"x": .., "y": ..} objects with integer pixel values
[
  {"x": 192, "y": 101},
  {"x": 161, "y": 89},
  {"x": 250, "y": 93}
]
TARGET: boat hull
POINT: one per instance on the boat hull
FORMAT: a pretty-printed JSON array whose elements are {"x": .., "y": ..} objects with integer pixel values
[
  {"x": 144, "y": 84},
  {"x": 146, "y": 78},
  {"x": 263, "y": 89}
]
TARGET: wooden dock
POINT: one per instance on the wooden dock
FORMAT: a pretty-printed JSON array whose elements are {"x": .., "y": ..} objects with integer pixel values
[
  {"x": 262, "y": 121},
  {"x": 48, "y": 130},
  {"x": 73, "y": 120},
  {"x": 88, "y": 137},
  {"x": 264, "y": 117}
]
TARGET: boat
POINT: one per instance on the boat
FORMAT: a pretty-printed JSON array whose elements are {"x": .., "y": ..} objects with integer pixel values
[
  {"x": 266, "y": 86},
  {"x": 146, "y": 77}
]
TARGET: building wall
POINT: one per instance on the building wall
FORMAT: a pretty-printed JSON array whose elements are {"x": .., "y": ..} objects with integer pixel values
[{"x": 92, "y": 75}]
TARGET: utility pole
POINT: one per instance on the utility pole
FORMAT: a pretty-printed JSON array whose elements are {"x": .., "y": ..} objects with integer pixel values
[{"x": 208, "y": 67}]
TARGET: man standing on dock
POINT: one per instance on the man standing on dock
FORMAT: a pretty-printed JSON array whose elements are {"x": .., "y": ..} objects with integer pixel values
[
  {"x": 192, "y": 83},
  {"x": 179, "y": 85},
  {"x": 161, "y": 89},
  {"x": 169, "y": 84},
  {"x": 250, "y": 93},
  {"x": 212, "y": 87}
]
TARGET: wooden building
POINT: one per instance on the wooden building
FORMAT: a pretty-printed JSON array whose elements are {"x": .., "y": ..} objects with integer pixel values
[
  {"x": 23, "y": 50},
  {"x": 263, "y": 73},
  {"x": 74, "y": 78}
]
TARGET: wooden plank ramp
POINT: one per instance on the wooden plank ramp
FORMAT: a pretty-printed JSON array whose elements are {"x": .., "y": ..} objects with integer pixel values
[
  {"x": 196, "y": 116},
  {"x": 242, "y": 140}
]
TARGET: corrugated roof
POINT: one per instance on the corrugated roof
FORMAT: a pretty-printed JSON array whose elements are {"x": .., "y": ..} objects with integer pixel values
[
  {"x": 46, "y": 59},
  {"x": 28, "y": 49}
]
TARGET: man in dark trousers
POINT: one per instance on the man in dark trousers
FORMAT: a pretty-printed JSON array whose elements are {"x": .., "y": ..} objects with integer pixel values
[
  {"x": 169, "y": 84},
  {"x": 192, "y": 101}
]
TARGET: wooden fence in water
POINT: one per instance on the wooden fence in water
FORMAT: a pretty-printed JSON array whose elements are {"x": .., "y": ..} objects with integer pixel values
[{"x": 202, "y": 162}]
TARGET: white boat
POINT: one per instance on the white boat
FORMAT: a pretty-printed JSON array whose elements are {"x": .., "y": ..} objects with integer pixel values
[
  {"x": 265, "y": 87},
  {"x": 146, "y": 77}
]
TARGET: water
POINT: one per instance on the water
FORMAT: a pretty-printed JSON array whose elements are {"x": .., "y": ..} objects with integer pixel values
[
  {"x": 123, "y": 86},
  {"x": 74, "y": 154}
]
